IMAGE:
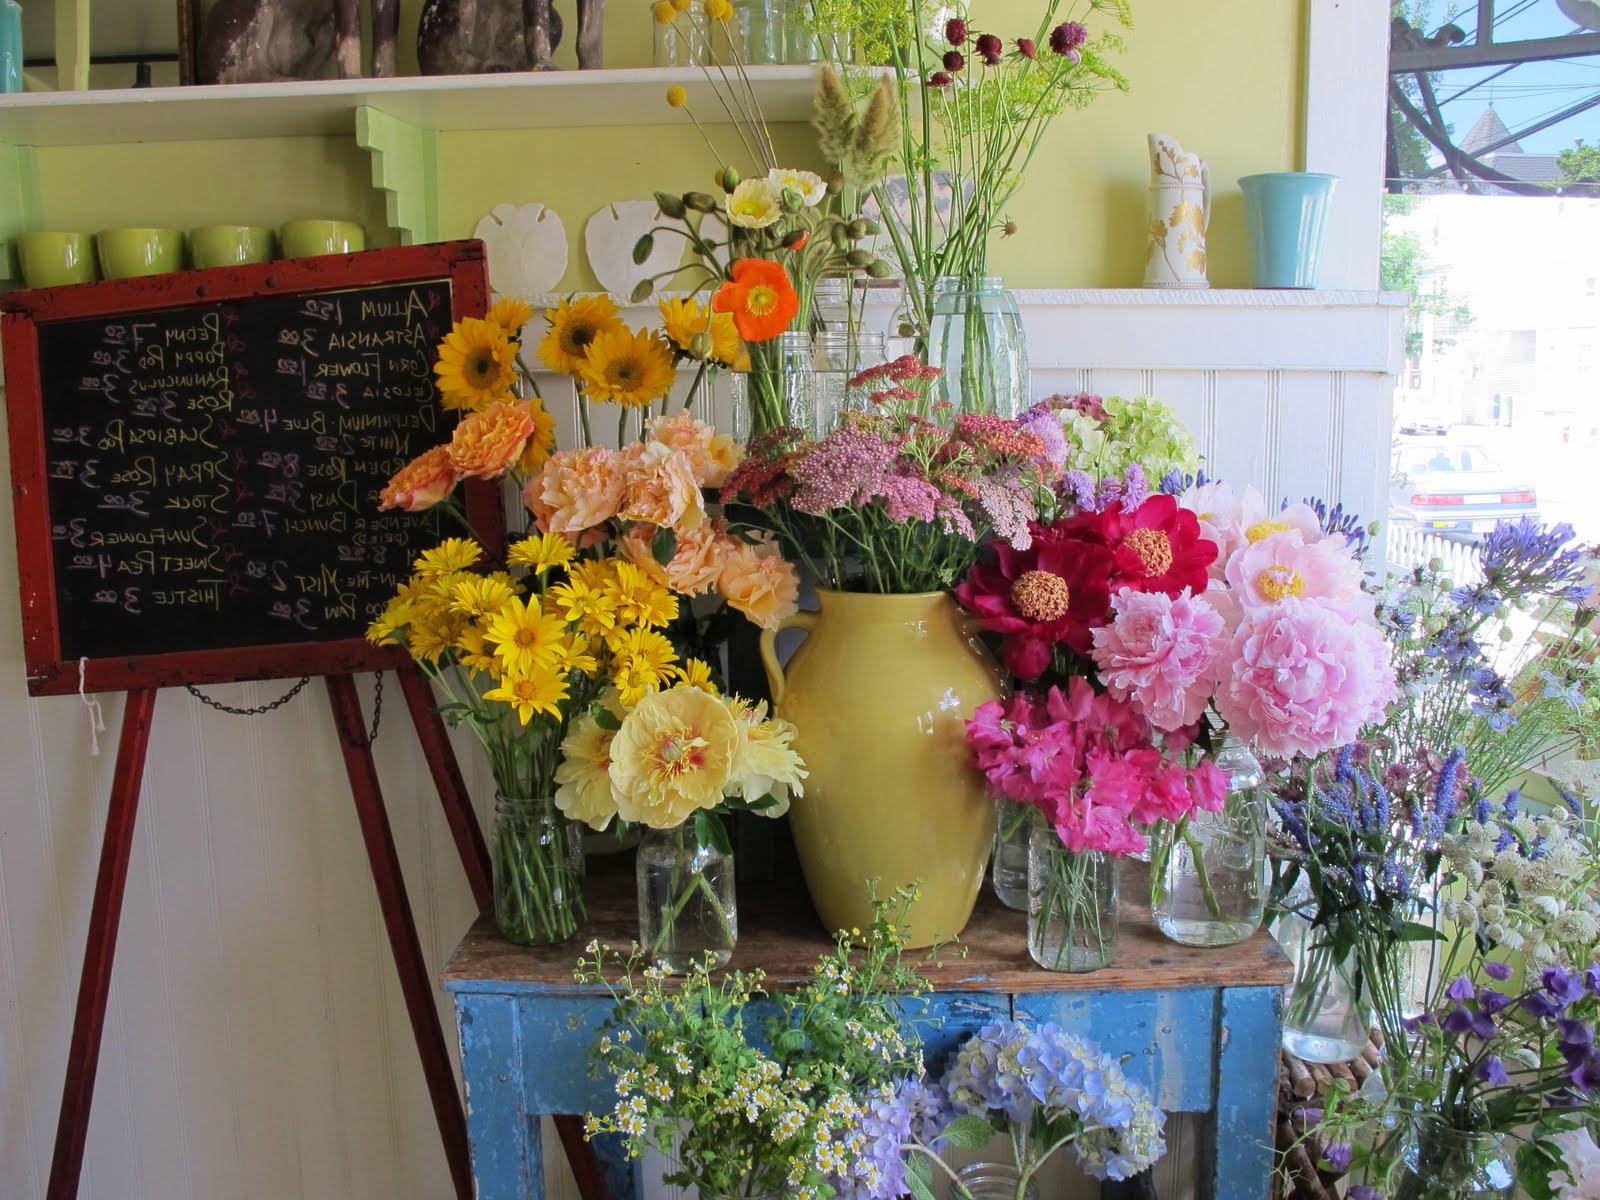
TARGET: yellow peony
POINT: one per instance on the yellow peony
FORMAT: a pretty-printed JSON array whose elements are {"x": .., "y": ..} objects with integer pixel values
[
  {"x": 583, "y": 779},
  {"x": 573, "y": 325},
  {"x": 672, "y": 757},
  {"x": 766, "y": 763},
  {"x": 627, "y": 367},
  {"x": 475, "y": 364}
]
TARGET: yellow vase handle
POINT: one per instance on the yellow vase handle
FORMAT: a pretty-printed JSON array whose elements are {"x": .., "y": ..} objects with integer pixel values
[{"x": 769, "y": 650}]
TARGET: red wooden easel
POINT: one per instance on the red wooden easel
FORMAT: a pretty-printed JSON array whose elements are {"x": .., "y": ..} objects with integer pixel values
[{"x": 51, "y": 672}]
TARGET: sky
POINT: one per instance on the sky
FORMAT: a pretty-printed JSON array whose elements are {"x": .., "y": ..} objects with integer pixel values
[{"x": 1530, "y": 90}]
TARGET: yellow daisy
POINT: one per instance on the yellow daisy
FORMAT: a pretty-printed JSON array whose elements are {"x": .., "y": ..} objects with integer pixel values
[
  {"x": 575, "y": 656},
  {"x": 480, "y": 595},
  {"x": 542, "y": 690},
  {"x": 573, "y": 325},
  {"x": 684, "y": 318},
  {"x": 541, "y": 551},
  {"x": 541, "y": 443},
  {"x": 511, "y": 313},
  {"x": 696, "y": 673},
  {"x": 644, "y": 658},
  {"x": 475, "y": 364},
  {"x": 592, "y": 609},
  {"x": 472, "y": 648},
  {"x": 524, "y": 636},
  {"x": 429, "y": 636},
  {"x": 627, "y": 367},
  {"x": 452, "y": 554},
  {"x": 385, "y": 628},
  {"x": 641, "y": 600}
]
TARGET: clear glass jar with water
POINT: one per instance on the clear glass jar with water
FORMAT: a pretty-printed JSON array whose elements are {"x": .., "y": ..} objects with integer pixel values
[
  {"x": 975, "y": 337},
  {"x": 684, "y": 41},
  {"x": 1009, "y": 871},
  {"x": 1327, "y": 1018},
  {"x": 995, "y": 1181},
  {"x": 687, "y": 905}
]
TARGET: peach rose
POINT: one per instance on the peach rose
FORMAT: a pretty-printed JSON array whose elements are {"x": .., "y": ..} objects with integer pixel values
[
  {"x": 577, "y": 490},
  {"x": 759, "y": 583},
  {"x": 421, "y": 483},
  {"x": 637, "y": 546},
  {"x": 489, "y": 441},
  {"x": 661, "y": 488},
  {"x": 694, "y": 566},
  {"x": 711, "y": 455}
]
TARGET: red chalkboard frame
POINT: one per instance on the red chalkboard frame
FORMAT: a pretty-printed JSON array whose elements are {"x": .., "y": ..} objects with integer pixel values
[{"x": 21, "y": 313}]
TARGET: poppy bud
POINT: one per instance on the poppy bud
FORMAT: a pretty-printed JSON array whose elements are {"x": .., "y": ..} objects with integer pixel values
[
  {"x": 879, "y": 269},
  {"x": 671, "y": 206},
  {"x": 700, "y": 202},
  {"x": 857, "y": 229},
  {"x": 700, "y": 346},
  {"x": 642, "y": 248},
  {"x": 727, "y": 179},
  {"x": 795, "y": 239},
  {"x": 642, "y": 290}
]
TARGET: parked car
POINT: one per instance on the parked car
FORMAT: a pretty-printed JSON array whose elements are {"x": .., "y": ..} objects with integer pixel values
[{"x": 1456, "y": 485}]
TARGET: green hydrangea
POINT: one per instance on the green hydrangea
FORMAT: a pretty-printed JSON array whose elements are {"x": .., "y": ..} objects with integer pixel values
[{"x": 1141, "y": 430}]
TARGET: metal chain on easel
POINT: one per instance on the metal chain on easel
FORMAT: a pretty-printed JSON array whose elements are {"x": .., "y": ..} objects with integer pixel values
[{"x": 300, "y": 686}]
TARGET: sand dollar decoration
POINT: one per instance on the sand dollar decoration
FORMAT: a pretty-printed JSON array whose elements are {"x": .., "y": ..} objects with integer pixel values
[
  {"x": 609, "y": 239},
  {"x": 527, "y": 246}
]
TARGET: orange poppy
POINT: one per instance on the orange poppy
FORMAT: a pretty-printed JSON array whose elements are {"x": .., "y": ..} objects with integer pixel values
[{"x": 760, "y": 298}]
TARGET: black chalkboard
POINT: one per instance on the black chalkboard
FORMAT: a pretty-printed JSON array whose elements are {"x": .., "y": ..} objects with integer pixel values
[{"x": 211, "y": 469}]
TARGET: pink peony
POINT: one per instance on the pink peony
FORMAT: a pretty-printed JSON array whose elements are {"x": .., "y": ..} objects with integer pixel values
[
  {"x": 1303, "y": 678},
  {"x": 1286, "y": 564},
  {"x": 1218, "y": 508},
  {"x": 1161, "y": 654}
]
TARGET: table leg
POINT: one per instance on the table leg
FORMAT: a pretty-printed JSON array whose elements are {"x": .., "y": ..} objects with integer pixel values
[
  {"x": 1238, "y": 1153},
  {"x": 507, "y": 1157}
]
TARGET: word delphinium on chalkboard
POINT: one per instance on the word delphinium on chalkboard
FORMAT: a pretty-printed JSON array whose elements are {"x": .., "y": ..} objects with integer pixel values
[{"x": 574, "y": 660}]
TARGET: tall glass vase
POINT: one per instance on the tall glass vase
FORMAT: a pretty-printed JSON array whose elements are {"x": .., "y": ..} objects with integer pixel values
[
  {"x": 1441, "y": 1162},
  {"x": 778, "y": 389},
  {"x": 687, "y": 907},
  {"x": 1327, "y": 1018},
  {"x": 975, "y": 336},
  {"x": 1009, "y": 870},
  {"x": 994, "y": 1181},
  {"x": 1208, "y": 872},
  {"x": 1072, "y": 904},
  {"x": 537, "y": 866}
]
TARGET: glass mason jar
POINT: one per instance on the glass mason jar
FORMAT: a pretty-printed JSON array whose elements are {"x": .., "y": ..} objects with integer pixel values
[
  {"x": 537, "y": 864},
  {"x": 1326, "y": 1019},
  {"x": 1441, "y": 1162},
  {"x": 830, "y": 303},
  {"x": 682, "y": 42},
  {"x": 1009, "y": 872},
  {"x": 839, "y": 356},
  {"x": 975, "y": 337},
  {"x": 778, "y": 389},
  {"x": 994, "y": 1181},
  {"x": 687, "y": 908},
  {"x": 1072, "y": 903},
  {"x": 762, "y": 26},
  {"x": 1208, "y": 872}
]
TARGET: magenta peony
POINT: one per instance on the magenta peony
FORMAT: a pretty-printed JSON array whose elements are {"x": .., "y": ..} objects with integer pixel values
[
  {"x": 1303, "y": 678},
  {"x": 1161, "y": 654}
]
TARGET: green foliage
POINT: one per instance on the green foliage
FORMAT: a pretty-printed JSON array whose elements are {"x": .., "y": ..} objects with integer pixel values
[
  {"x": 1579, "y": 168},
  {"x": 1404, "y": 262}
]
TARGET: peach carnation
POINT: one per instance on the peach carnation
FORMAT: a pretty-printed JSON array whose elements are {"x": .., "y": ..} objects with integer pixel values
[
  {"x": 711, "y": 455},
  {"x": 577, "y": 490},
  {"x": 758, "y": 582},
  {"x": 661, "y": 489},
  {"x": 489, "y": 441},
  {"x": 421, "y": 483}
]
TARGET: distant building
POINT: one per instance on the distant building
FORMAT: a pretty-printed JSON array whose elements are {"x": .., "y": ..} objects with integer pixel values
[{"x": 1491, "y": 143}]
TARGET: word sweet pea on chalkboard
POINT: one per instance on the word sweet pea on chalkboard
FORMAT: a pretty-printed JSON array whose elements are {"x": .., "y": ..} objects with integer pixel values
[{"x": 197, "y": 459}]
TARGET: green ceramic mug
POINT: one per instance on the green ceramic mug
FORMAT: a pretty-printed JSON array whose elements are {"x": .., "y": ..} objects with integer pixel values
[
  {"x": 306, "y": 239},
  {"x": 229, "y": 245},
  {"x": 125, "y": 253},
  {"x": 53, "y": 259}
]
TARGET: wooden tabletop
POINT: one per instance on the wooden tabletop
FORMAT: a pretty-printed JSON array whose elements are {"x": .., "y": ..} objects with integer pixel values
[{"x": 780, "y": 934}]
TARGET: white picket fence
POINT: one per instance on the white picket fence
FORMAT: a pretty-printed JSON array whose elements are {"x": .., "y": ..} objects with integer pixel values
[{"x": 1409, "y": 546}]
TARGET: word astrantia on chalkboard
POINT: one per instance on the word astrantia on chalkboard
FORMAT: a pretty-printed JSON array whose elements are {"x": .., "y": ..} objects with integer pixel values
[{"x": 213, "y": 469}]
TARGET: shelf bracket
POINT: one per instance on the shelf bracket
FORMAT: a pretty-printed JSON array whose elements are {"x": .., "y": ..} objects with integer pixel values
[
  {"x": 405, "y": 166},
  {"x": 19, "y": 203}
]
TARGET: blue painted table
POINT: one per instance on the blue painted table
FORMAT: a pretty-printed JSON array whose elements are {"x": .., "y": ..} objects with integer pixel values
[{"x": 1201, "y": 1027}]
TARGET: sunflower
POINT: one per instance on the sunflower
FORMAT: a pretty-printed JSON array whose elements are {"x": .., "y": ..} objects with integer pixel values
[
  {"x": 540, "y": 443},
  {"x": 475, "y": 364},
  {"x": 451, "y": 555},
  {"x": 627, "y": 367},
  {"x": 541, "y": 690},
  {"x": 685, "y": 319},
  {"x": 759, "y": 297},
  {"x": 573, "y": 325},
  {"x": 525, "y": 636},
  {"x": 511, "y": 314}
]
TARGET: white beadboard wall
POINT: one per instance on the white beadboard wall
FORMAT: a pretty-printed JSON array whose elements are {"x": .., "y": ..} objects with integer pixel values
[{"x": 256, "y": 1043}]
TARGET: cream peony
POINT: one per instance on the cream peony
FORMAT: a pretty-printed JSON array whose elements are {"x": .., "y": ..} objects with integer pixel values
[
  {"x": 577, "y": 489},
  {"x": 660, "y": 488},
  {"x": 672, "y": 757},
  {"x": 766, "y": 763}
]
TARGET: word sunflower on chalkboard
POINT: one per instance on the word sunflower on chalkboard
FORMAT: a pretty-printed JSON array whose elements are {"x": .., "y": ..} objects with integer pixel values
[{"x": 200, "y": 459}]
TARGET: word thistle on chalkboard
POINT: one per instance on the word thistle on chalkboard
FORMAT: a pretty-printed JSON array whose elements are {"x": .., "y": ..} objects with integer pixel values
[{"x": 574, "y": 661}]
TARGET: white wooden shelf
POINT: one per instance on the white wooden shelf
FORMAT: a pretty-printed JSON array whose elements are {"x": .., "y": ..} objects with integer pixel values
[{"x": 442, "y": 102}]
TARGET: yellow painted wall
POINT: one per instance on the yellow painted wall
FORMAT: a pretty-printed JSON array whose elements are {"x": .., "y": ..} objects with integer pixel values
[{"x": 1225, "y": 78}]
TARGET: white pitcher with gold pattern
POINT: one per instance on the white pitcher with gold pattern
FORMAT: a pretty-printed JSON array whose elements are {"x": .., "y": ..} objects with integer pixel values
[{"x": 1180, "y": 210}]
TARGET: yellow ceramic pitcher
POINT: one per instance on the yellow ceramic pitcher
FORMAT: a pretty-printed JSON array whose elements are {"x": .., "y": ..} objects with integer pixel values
[{"x": 879, "y": 694}]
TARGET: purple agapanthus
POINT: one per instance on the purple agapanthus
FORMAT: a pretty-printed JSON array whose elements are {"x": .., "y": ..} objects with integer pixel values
[{"x": 1525, "y": 558}]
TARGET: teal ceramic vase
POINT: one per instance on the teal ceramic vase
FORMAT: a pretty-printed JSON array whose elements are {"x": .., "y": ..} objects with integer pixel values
[{"x": 1288, "y": 216}]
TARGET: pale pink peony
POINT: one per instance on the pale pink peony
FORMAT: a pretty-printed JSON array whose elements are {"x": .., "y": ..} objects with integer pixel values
[
  {"x": 1218, "y": 508},
  {"x": 1258, "y": 519},
  {"x": 1288, "y": 564},
  {"x": 711, "y": 454},
  {"x": 1161, "y": 654},
  {"x": 661, "y": 488},
  {"x": 1303, "y": 677},
  {"x": 576, "y": 490}
]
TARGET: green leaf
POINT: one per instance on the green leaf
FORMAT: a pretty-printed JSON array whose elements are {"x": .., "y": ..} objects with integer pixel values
[
  {"x": 920, "y": 1178},
  {"x": 664, "y": 545},
  {"x": 1411, "y": 931},
  {"x": 765, "y": 802},
  {"x": 968, "y": 1133},
  {"x": 708, "y": 828},
  {"x": 605, "y": 718}
]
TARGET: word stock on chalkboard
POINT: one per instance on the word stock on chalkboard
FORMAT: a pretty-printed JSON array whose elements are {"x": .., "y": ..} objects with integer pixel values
[{"x": 197, "y": 461}]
